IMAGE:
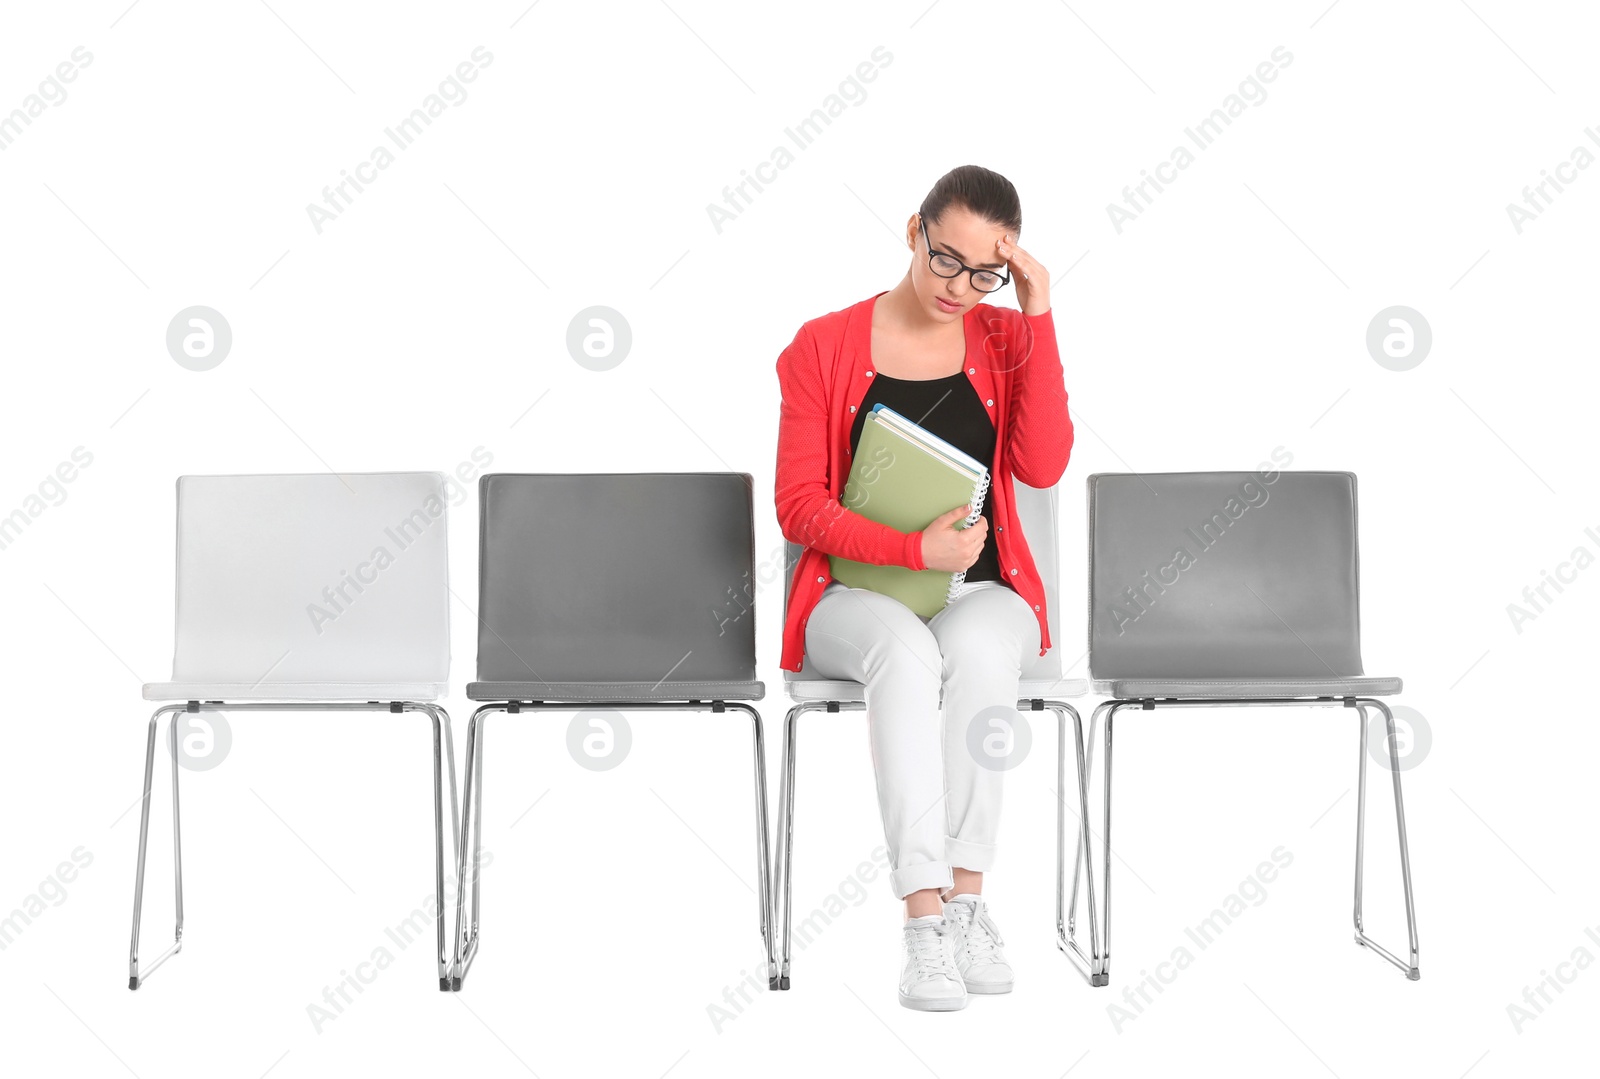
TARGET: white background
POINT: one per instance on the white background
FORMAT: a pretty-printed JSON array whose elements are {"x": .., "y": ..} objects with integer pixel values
[{"x": 430, "y": 319}]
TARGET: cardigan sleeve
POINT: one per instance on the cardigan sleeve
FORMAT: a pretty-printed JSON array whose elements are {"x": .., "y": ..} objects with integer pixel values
[
  {"x": 1041, "y": 431},
  {"x": 807, "y": 512}
]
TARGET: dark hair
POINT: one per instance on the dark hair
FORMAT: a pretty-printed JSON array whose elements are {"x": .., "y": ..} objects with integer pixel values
[{"x": 978, "y": 190}]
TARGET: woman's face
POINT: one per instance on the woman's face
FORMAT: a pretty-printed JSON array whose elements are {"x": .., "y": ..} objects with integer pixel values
[{"x": 963, "y": 235}]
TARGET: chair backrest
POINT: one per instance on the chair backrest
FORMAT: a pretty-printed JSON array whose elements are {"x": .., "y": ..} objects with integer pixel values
[
  {"x": 1038, "y": 513},
  {"x": 616, "y": 577},
  {"x": 1223, "y": 575},
  {"x": 312, "y": 578}
]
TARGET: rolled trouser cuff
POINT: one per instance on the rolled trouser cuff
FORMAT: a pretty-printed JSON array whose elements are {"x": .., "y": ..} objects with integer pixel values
[
  {"x": 914, "y": 878},
  {"x": 978, "y": 857}
]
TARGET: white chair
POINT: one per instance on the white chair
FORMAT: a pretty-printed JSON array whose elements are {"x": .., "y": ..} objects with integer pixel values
[
  {"x": 1041, "y": 688},
  {"x": 307, "y": 593}
]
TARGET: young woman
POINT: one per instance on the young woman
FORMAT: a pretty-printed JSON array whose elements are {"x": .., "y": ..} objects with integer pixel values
[{"x": 988, "y": 380}]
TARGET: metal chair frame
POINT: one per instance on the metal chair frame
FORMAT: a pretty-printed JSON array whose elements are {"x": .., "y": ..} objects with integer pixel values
[
  {"x": 441, "y": 731},
  {"x": 1100, "y": 934},
  {"x": 1083, "y": 962},
  {"x": 467, "y": 932}
]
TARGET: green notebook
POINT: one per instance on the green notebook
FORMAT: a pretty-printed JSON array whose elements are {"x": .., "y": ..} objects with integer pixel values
[{"x": 905, "y": 476}]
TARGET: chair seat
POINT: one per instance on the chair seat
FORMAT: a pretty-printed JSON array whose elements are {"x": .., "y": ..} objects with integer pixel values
[
  {"x": 1138, "y": 688},
  {"x": 827, "y": 689},
  {"x": 615, "y": 691},
  {"x": 294, "y": 691}
]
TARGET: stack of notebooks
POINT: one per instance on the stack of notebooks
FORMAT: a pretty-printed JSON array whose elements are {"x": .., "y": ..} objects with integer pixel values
[{"x": 905, "y": 476}]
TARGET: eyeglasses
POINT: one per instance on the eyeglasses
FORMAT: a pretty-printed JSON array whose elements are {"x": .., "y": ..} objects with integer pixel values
[{"x": 949, "y": 266}]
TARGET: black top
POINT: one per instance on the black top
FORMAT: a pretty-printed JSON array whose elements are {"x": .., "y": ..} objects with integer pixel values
[{"x": 950, "y": 408}]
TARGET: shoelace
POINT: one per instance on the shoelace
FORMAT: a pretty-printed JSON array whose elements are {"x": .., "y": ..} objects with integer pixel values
[
  {"x": 978, "y": 930},
  {"x": 929, "y": 953}
]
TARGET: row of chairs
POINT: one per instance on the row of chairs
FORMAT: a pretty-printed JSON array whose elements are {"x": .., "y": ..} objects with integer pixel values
[{"x": 636, "y": 591}]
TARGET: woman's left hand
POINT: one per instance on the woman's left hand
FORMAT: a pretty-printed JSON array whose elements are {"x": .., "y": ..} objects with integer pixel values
[{"x": 1032, "y": 280}]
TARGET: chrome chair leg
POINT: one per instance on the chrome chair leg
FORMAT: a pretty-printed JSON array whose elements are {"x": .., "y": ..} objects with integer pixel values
[
  {"x": 1099, "y": 957},
  {"x": 1105, "y": 858},
  {"x": 1412, "y": 971},
  {"x": 136, "y": 976},
  {"x": 471, "y": 820},
  {"x": 763, "y": 853},
  {"x": 785, "y": 858},
  {"x": 1066, "y": 919},
  {"x": 445, "y": 955},
  {"x": 477, "y": 839}
]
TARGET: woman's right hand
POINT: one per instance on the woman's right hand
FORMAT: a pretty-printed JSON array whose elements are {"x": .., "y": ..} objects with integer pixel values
[{"x": 945, "y": 547}]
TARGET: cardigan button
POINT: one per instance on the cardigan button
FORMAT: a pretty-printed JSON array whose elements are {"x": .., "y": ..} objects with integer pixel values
[
  {"x": 869, "y": 374},
  {"x": 819, "y": 580},
  {"x": 1013, "y": 573},
  {"x": 972, "y": 370},
  {"x": 852, "y": 408},
  {"x": 991, "y": 404},
  {"x": 1036, "y": 606}
]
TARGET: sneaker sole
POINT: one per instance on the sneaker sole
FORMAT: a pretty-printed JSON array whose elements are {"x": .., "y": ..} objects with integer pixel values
[
  {"x": 991, "y": 989},
  {"x": 933, "y": 1004}
]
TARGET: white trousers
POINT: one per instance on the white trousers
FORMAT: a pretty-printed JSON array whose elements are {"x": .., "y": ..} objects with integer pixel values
[{"x": 940, "y": 803}]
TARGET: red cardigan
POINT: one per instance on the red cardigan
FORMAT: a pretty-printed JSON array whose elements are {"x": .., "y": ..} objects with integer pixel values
[{"x": 824, "y": 374}]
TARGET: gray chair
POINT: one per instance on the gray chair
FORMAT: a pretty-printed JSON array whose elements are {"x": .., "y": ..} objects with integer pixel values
[
  {"x": 626, "y": 591},
  {"x": 1229, "y": 588},
  {"x": 1041, "y": 687}
]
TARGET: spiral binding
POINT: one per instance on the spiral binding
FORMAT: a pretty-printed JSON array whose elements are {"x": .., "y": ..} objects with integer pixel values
[{"x": 979, "y": 493}]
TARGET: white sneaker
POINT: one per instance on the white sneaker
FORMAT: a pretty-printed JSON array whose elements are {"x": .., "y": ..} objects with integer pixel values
[
  {"x": 930, "y": 980},
  {"x": 977, "y": 943}
]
